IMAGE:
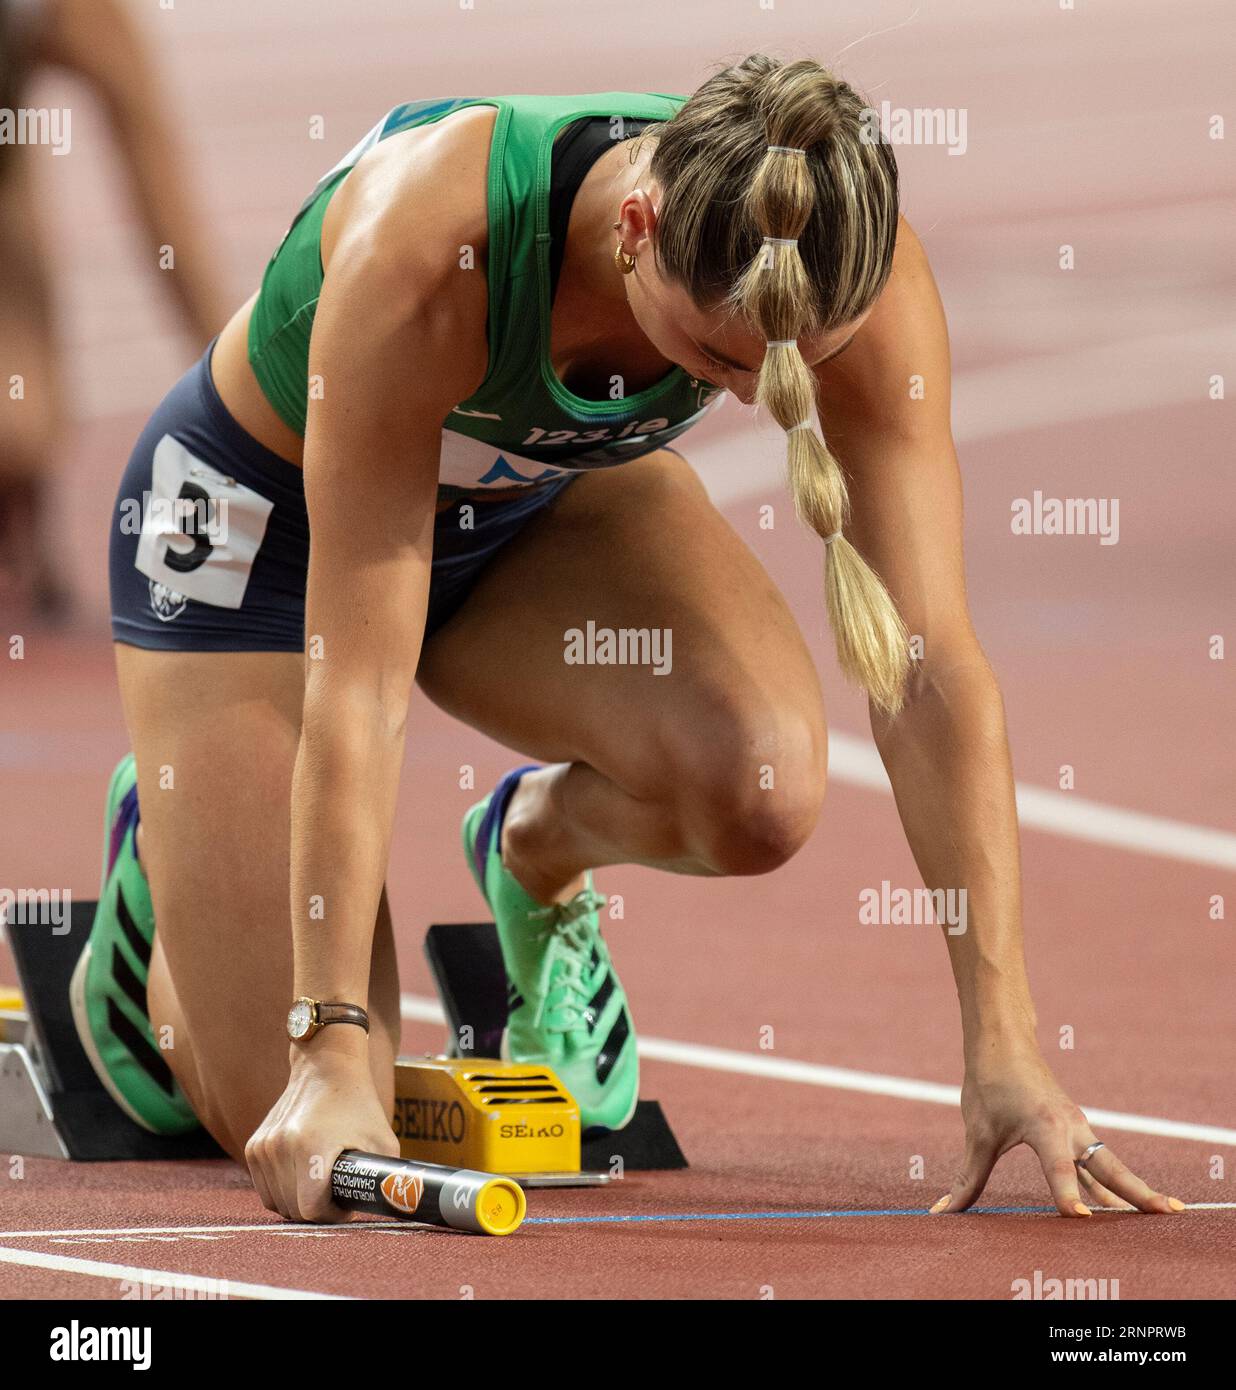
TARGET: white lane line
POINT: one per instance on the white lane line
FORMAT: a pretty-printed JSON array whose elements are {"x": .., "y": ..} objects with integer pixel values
[
  {"x": 903, "y": 1088},
  {"x": 286, "y": 1229},
  {"x": 1059, "y": 813},
  {"x": 856, "y": 761},
  {"x": 197, "y": 1283},
  {"x": 421, "y": 1009}
]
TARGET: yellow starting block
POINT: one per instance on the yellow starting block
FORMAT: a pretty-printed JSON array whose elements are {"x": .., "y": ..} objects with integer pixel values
[
  {"x": 464, "y": 1111},
  {"x": 485, "y": 1114}
]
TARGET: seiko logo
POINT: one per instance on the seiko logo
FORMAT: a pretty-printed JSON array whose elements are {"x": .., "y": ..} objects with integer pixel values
[
  {"x": 525, "y": 1131},
  {"x": 437, "y": 1121}
]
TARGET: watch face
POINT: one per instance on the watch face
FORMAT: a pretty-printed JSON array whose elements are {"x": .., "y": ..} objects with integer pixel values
[{"x": 300, "y": 1017}]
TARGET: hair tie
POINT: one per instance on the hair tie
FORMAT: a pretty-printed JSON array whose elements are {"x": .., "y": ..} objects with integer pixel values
[
  {"x": 802, "y": 425},
  {"x": 780, "y": 241},
  {"x": 781, "y": 342},
  {"x": 828, "y": 540},
  {"x": 786, "y": 149}
]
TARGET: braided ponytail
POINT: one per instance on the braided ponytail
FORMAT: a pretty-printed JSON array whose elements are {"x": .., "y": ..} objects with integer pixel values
[
  {"x": 872, "y": 642},
  {"x": 808, "y": 249}
]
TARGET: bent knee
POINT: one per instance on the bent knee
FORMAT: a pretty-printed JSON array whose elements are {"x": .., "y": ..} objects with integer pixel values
[
  {"x": 748, "y": 787},
  {"x": 755, "y": 834}
]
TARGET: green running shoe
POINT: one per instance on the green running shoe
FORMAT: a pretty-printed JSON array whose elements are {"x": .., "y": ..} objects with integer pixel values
[
  {"x": 108, "y": 989},
  {"x": 566, "y": 1007}
]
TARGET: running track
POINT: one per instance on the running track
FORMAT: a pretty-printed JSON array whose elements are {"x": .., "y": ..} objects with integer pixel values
[{"x": 1086, "y": 128}]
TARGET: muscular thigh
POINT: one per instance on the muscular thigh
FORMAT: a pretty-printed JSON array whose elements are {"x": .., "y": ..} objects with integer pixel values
[
  {"x": 215, "y": 737},
  {"x": 634, "y": 547}
]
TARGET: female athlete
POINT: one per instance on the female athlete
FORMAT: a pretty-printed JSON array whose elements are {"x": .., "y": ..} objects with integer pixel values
[{"x": 462, "y": 376}]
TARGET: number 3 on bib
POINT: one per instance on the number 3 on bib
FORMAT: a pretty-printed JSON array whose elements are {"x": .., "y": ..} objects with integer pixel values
[{"x": 201, "y": 530}]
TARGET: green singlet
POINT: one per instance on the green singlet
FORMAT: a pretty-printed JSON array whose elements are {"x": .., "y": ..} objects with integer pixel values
[{"x": 522, "y": 426}]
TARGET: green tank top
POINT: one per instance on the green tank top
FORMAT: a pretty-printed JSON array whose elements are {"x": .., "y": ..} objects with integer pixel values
[{"x": 522, "y": 426}]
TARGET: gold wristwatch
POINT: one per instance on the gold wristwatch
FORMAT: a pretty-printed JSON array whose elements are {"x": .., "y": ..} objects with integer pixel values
[{"x": 306, "y": 1016}]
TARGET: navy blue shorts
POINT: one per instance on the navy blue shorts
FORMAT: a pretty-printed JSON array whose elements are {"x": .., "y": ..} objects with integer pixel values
[{"x": 191, "y": 574}]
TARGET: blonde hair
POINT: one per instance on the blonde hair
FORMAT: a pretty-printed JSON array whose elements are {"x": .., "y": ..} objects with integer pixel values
[{"x": 798, "y": 239}]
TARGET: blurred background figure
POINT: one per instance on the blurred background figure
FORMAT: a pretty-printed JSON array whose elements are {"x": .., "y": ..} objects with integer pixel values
[{"x": 98, "y": 43}]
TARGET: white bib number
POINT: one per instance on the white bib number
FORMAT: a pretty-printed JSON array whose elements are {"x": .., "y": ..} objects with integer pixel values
[{"x": 200, "y": 529}]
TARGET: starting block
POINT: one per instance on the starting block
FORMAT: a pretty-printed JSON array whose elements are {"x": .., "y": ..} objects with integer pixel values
[
  {"x": 468, "y": 1109},
  {"x": 52, "y": 1104},
  {"x": 491, "y": 1116},
  {"x": 529, "y": 1104}
]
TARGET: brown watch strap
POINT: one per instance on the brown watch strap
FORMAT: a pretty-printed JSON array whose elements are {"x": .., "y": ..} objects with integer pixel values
[{"x": 343, "y": 1013}]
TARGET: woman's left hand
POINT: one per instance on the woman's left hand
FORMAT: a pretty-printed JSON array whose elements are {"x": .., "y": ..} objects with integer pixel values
[{"x": 1012, "y": 1098}]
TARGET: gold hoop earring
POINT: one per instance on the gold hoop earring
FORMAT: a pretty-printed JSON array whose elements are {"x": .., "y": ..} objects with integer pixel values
[{"x": 625, "y": 263}]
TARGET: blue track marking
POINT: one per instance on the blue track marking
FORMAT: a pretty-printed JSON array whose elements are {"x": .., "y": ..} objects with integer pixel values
[{"x": 768, "y": 1215}]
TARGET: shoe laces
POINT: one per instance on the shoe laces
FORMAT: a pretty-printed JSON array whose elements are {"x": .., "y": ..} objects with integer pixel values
[{"x": 566, "y": 958}]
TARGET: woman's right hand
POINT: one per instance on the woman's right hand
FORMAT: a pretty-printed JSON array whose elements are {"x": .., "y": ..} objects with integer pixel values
[{"x": 330, "y": 1104}]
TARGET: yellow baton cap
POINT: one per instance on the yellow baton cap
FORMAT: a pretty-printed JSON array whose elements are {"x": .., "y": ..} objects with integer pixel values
[{"x": 501, "y": 1207}]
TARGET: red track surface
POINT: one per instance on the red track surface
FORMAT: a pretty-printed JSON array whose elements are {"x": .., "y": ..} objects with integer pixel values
[{"x": 1089, "y": 383}]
